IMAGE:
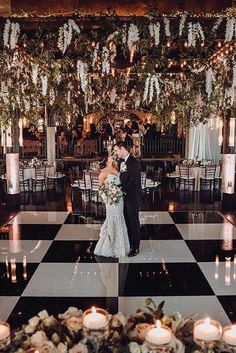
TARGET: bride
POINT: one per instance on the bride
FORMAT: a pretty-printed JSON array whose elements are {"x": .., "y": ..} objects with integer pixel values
[{"x": 113, "y": 238}]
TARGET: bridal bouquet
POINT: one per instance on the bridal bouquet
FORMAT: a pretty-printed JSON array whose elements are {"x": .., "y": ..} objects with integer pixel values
[{"x": 111, "y": 193}]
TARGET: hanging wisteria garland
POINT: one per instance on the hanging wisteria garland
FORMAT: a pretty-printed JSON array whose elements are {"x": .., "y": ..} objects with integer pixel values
[{"x": 99, "y": 59}]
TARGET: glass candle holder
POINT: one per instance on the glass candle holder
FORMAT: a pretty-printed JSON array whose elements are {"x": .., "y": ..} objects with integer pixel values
[
  {"x": 95, "y": 322},
  {"x": 229, "y": 339},
  {"x": 158, "y": 347},
  {"x": 5, "y": 335},
  {"x": 207, "y": 334}
]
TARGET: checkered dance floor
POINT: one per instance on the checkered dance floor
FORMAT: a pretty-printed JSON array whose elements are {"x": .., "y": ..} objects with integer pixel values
[{"x": 48, "y": 263}]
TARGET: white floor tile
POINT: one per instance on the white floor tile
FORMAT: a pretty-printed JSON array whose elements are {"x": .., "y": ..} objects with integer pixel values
[
  {"x": 155, "y": 217},
  {"x": 187, "y": 306},
  {"x": 207, "y": 231},
  {"x": 31, "y": 217},
  {"x": 78, "y": 232},
  {"x": 154, "y": 251},
  {"x": 74, "y": 280},
  {"x": 222, "y": 282},
  {"x": 16, "y": 249},
  {"x": 6, "y": 306}
]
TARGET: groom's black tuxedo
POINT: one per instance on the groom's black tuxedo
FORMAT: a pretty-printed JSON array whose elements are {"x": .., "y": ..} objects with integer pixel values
[{"x": 130, "y": 177}]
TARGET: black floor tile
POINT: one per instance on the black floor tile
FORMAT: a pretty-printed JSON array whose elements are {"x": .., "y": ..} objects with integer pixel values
[
  {"x": 160, "y": 232},
  {"x": 197, "y": 217},
  {"x": 229, "y": 304},
  {"x": 31, "y": 231},
  {"x": 7, "y": 284},
  {"x": 162, "y": 280},
  {"x": 27, "y": 307},
  {"x": 84, "y": 217},
  {"x": 74, "y": 251},
  {"x": 206, "y": 250}
]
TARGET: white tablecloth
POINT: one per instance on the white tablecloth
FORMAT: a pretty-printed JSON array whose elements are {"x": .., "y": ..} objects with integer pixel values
[{"x": 30, "y": 172}]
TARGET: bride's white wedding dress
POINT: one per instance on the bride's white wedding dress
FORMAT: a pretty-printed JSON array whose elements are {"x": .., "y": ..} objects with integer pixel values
[{"x": 113, "y": 238}]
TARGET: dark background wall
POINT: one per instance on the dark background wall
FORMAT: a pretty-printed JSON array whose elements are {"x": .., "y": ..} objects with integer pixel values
[{"x": 122, "y": 7}]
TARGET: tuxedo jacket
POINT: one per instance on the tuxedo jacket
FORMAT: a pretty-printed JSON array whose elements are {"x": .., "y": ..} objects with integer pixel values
[{"x": 130, "y": 180}]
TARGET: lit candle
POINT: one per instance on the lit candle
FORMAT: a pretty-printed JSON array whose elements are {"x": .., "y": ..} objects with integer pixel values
[
  {"x": 94, "y": 320},
  {"x": 217, "y": 267},
  {"x": 227, "y": 271},
  {"x": 159, "y": 335},
  {"x": 206, "y": 331},
  {"x": 24, "y": 267},
  {"x": 4, "y": 331},
  {"x": 13, "y": 270},
  {"x": 229, "y": 336}
]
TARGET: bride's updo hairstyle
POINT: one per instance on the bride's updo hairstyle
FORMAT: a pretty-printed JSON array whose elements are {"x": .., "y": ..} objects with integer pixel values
[{"x": 103, "y": 163}]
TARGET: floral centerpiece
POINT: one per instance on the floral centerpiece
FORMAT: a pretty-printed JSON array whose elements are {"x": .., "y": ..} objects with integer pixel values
[
  {"x": 111, "y": 193},
  {"x": 35, "y": 163},
  {"x": 66, "y": 334}
]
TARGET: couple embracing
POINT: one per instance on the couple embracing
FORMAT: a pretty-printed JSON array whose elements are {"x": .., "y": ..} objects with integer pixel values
[{"x": 120, "y": 233}]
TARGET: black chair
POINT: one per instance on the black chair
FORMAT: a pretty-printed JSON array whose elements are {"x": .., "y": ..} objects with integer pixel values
[
  {"x": 39, "y": 180},
  {"x": 186, "y": 178}
]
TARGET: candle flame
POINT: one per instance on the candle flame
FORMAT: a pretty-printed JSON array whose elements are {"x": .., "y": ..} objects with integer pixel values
[
  {"x": 93, "y": 310},
  {"x": 158, "y": 324}
]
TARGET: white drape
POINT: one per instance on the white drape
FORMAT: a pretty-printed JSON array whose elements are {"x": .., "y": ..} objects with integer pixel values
[{"x": 203, "y": 143}]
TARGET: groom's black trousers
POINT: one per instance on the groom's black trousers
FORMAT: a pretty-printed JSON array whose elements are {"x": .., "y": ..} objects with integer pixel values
[{"x": 131, "y": 213}]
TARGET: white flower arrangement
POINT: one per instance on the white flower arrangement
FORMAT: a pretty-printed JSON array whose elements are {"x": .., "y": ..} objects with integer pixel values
[
  {"x": 82, "y": 69},
  {"x": 151, "y": 85},
  {"x": 230, "y": 31},
  {"x": 217, "y": 24},
  {"x": 51, "y": 97},
  {"x": 111, "y": 193},
  {"x": 65, "y": 35},
  {"x": 234, "y": 75},
  {"x": 181, "y": 24},
  {"x": 154, "y": 30},
  {"x": 35, "y": 71},
  {"x": 167, "y": 26},
  {"x": 113, "y": 95},
  {"x": 133, "y": 37},
  {"x": 11, "y": 34},
  {"x": 210, "y": 78},
  {"x": 44, "y": 82}
]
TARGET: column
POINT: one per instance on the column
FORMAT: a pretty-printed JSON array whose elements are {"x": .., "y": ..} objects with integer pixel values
[
  {"x": 51, "y": 141},
  {"x": 228, "y": 161},
  {"x": 12, "y": 161}
]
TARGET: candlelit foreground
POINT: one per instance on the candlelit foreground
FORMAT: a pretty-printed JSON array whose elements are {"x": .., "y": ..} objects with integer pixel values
[{"x": 55, "y": 267}]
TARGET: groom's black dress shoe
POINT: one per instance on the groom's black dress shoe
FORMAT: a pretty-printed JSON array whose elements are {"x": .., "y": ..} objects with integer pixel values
[{"x": 133, "y": 252}]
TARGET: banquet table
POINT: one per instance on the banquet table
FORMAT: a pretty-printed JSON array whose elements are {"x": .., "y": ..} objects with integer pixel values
[{"x": 29, "y": 172}]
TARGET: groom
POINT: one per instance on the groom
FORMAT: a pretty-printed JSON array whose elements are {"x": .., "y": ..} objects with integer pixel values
[{"x": 130, "y": 177}]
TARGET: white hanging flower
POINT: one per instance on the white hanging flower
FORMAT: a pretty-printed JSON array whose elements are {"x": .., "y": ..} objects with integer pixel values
[
  {"x": 82, "y": 69},
  {"x": 124, "y": 34},
  {"x": 35, "y": 68},
  {"x": 65, "y": 35},
  {"x": 105, "y": 61},
  {"x": 137, "y": 101},
  {"x": 15, "y": 32},
  {"x": 6, "y": 33},
  {"x": 133, "y": 36},
  {"x": 151, "y": 86},
  {"x": 181, "y": 24},
  {"x": 95, "y": 54},
  {"x": 154, "y": 29},
  {"x": 217, "y": 24},
  {"x": 44, "y": 81},
  {"x": 230, "y": 29},
  {"x": 26, "y": 104},
  {"x": 234, "y": 75},
  {"x": 11, "y": 34},
  {"x": 210, "y": 78},
  {"x": 167, "y": 26}
]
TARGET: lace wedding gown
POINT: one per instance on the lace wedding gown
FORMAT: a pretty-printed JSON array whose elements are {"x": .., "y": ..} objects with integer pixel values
[{"x": 113, "y": 238}]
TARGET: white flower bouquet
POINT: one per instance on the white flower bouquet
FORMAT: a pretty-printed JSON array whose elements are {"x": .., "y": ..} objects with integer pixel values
[
  {"x": 35, "y": 162},
  {"x": 111, "y": 193}
]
